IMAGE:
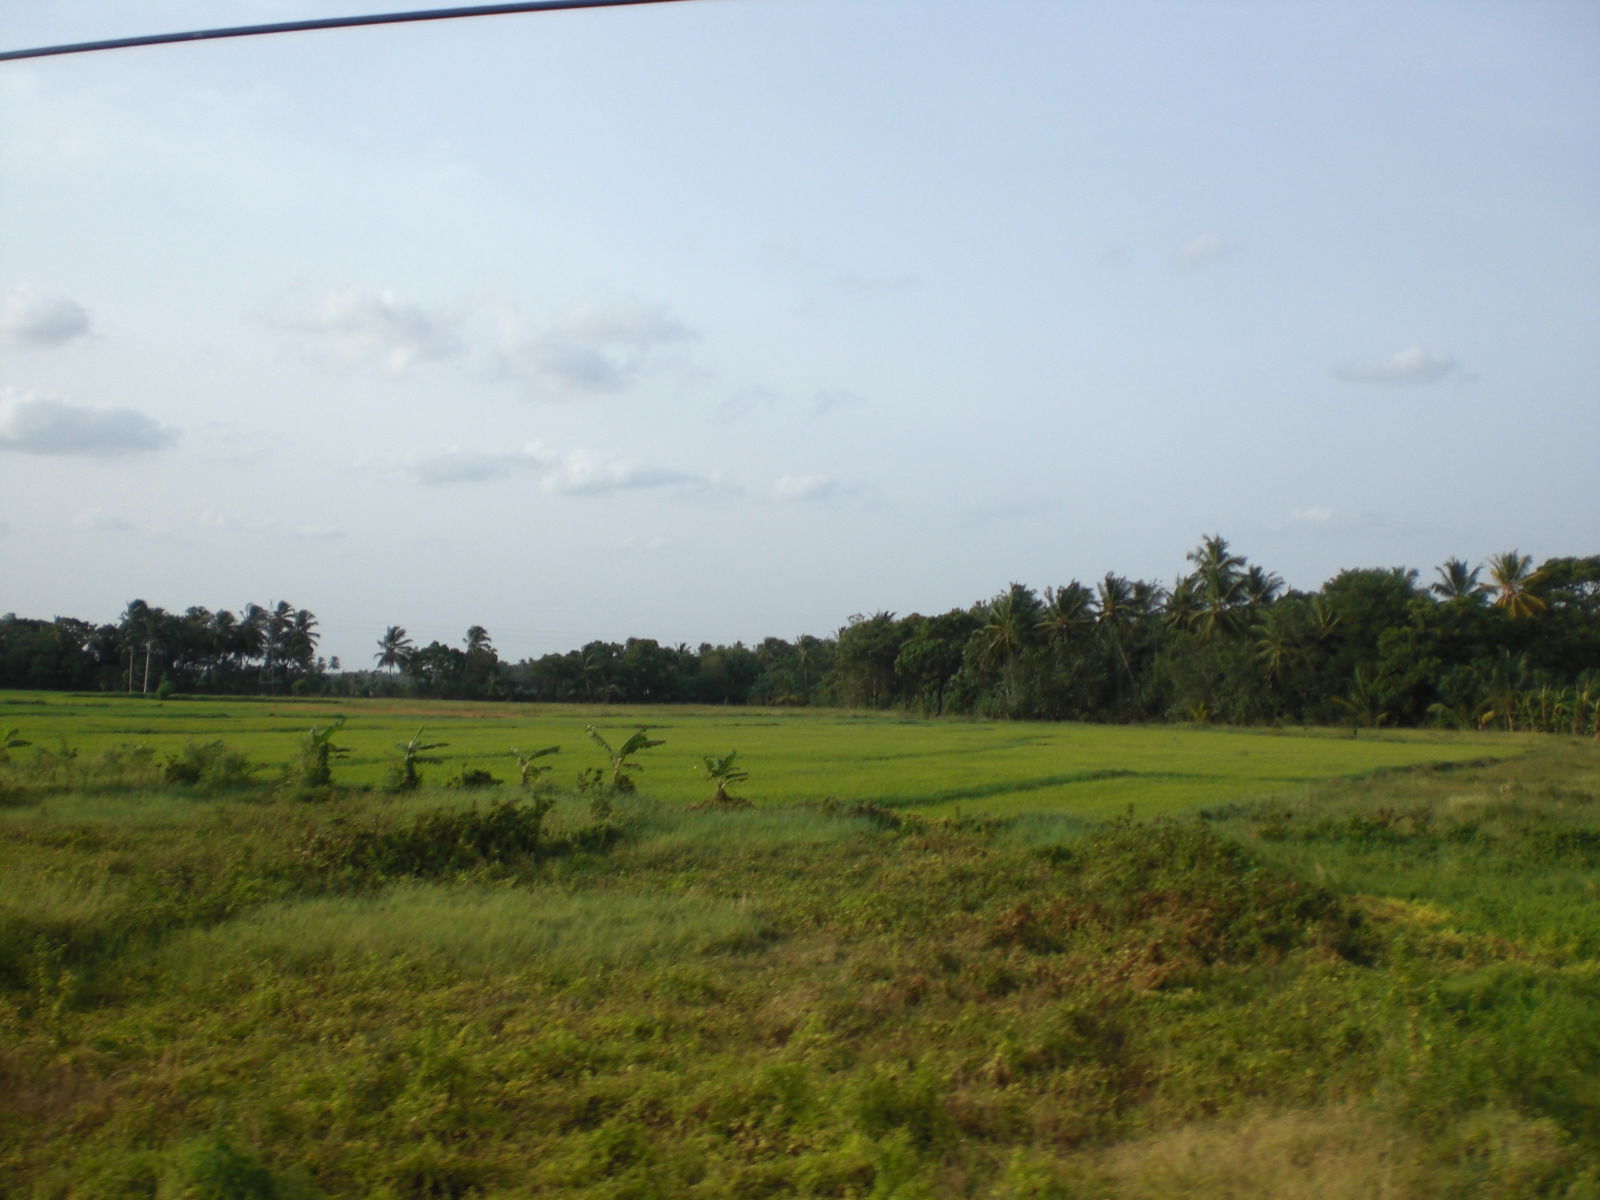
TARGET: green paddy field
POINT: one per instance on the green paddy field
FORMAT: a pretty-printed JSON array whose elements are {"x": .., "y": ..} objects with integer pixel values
[{"x": 931, "y": 767}]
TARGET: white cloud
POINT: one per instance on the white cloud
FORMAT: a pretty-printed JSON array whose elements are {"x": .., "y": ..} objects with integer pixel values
[
  {"x": 803, "y": 489},
  {"x": 1318, "y": 514},
  {"x": 1201, "y": 249},
  {"x": 868, "y": 286},
  {"x": 32, "y": 424},
  {"x": 746, "y": 402},
  {"x": 573, "y": 473},
  {"x": 211, "y": 521},
  {"x": 99, "y": 519},
  {"x": 829, "y": 399},
  {"x": 591, "y": 350},
  {"x": 224, "y": 522},
  {"x": 1412, "y": 365},
  {"x": 379, "y": 330},
  {"x": 34, "y": 320}
]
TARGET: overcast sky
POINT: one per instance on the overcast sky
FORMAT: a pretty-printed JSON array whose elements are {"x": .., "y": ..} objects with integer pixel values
[{"x": 729, "y": 318}]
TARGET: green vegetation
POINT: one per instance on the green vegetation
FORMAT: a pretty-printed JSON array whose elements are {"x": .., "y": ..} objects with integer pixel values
[
  {"x": 720, "y": 770},
  {"x": 932, "y": 767},
  {"x": 1226, "y": 643},
  {"x": 1314, "y": 966}
]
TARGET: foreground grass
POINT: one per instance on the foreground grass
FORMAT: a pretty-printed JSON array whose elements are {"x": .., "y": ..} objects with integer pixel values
[{"x": 1387, "y": 986}]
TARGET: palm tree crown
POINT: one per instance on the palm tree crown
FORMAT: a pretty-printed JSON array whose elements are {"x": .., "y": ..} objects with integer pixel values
[{"x": 1513, "y": 577}]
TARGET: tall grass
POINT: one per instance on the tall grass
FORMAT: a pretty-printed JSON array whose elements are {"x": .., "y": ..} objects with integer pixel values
[
  {"x": 469, "y": 930},
  {"x": 1387, "y": 986}
]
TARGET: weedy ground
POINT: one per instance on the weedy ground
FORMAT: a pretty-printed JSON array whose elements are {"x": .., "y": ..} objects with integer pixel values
[{"x": 1377, "y": 987}]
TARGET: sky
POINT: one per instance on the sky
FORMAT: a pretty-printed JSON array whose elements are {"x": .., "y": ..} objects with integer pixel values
[{"x": 726, "y": 319}]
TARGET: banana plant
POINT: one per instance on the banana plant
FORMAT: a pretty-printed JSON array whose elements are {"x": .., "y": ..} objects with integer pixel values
[
  {"x": 720, "y": 769},
  {"x": 412, "y": 754},
  {"x": 621, "y": 781},
  {"x": 11, "y": 740},
  {"x": 318, "y": 752},
  {"x": 528, "y": 766}
]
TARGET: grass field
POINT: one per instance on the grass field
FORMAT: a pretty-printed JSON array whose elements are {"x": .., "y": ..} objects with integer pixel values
[
  {"x": 1347, "y": 974},
  {"x": 930, "y": 767}
]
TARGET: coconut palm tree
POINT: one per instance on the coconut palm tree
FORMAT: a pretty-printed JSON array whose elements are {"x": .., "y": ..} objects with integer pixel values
[
  {"x": 1217, "y": 566},
  {"x": 275, "y": 624},
  {"x": 1260, "y": 587},
  {"x": 1010, "y": 623},
  {"x": 252, "y": 636},
  {"x": 1457, "y": 581},
  {"x": 1068, "y": 612},
  {"x": 1010, "y": 626},
  {"x": 1280, "y": 637},
  {"x": 1114, "y": 595},
  {"x": 1219, "y": 584},
  {"x": 395, "y": 649},
  {"x": 1514, "y": 578},
  {"x": 1182, "y": 607},
  {"x": 300, "y": 641}
]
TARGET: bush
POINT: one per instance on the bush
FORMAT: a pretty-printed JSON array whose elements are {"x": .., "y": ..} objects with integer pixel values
[
  {"x": 210, "y": 766},
  {"x": 471, "y": 778},
  {"x": 310, "y": 773},
  {"x": 434, "y": 843},
  {"x": 1202, "y": 897}
]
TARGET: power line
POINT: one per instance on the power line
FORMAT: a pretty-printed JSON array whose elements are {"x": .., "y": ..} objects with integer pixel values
[{"x": 398, "y": 18}]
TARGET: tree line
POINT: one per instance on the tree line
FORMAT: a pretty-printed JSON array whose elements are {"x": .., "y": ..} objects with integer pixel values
[
  {"x": 150, "y": 650},
  {"x": 1503, "y": 643}
]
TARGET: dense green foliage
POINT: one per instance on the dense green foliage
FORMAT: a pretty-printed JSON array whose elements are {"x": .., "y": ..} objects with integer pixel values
[
  {"x": 1382, "y": 986},
  {"x": 1502, "y": 644}
]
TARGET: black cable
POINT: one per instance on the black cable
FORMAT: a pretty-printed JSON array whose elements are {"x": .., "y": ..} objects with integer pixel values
[{"x": 427, "y": 14}]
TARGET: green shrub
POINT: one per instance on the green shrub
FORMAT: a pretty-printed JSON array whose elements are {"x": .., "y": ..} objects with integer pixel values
[
  {"x": 210, "y": 766},
  {"x": 438, "y": 842},
  {"x": 471, "y": 778},
  {"x": 1204, "y": 898},
  {"x": 310, "y": 772},
  {"x": 213, "y": 1169}
]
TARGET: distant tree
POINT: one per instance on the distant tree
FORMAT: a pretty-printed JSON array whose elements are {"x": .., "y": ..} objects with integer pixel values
[
  {"x": 143, "y": 629},
  {"x": 395, "y": 649},
  {"x": 1068, "y": 614},
  {"x": 300, "y": 641},
  {"x": 1515, "y": 579},
  {"x": 1115, "y": 600},
  {"x": 480, "y": 664},
  {"x": 1260, "y": 586},
  {"x": 1008, "y": 631},
  {"x": 1219, "y": 588},
  {"x": 1182, "y": 607},
  {"x": 1457, "y": 581},
  {"x": 436, "y": 668},
  {"x": 864, "y": 665},
  {"x": 930, "y": 657}
]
